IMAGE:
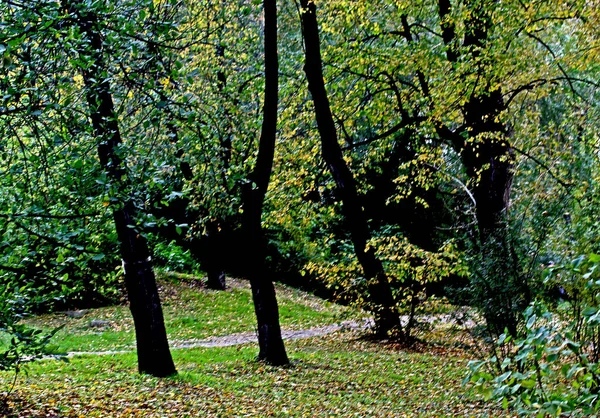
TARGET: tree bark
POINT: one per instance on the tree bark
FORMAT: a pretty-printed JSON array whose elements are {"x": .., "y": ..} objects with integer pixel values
[
  {"x": 488, "y": 158},
  {"x": 271, "y": 347},
  {"x": 489, "y": 162},
  {"x": 154, "y": 356},
  {"x": 387, "y": 319},
  {"x": 212, "y": 249}
]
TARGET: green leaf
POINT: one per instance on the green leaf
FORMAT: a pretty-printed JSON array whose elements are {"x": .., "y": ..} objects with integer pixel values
[
  {"x": 594, "y": 258},
  {"x": 528, "y": 384},
  {"x": 531, "y": 321},
  {"x": 503, "y": 377}
]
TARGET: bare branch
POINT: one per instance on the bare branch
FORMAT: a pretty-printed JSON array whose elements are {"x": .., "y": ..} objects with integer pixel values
[{"x": 564, "y": 184}]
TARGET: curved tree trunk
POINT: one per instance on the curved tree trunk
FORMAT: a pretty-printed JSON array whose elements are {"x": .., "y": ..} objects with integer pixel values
[
  {"x": 271, "y": 347},
  {"x": 154, "y": 356},
  {"x": 387, "y": 319}
]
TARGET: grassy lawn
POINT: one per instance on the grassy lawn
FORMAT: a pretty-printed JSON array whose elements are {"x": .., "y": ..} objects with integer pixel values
[
  {"x": 191, "y": 312},
  {"x": 337, "y": 375},
  {"x": 341, "y": 374}
]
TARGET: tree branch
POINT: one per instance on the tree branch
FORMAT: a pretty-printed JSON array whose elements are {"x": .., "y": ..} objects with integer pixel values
[
  {"x": 560, "y": 67},
  {"x": 385, "y": 134},
  {"x": 564, "y": 184}
]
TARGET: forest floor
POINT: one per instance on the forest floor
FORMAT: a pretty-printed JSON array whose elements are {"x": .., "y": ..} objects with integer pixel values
[{"x": 336, "y": 369}]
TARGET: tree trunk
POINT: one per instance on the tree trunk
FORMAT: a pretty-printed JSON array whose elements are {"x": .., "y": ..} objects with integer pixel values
[
  {"x": 487, "y": 156},
  {"x": 387, "y": 319},
  {"x": 488, "y": 159},
  {"x": 271, "y": 347},
  {"x": 154, "y": 356},
  {"x": 215, "y": 279},
  {"x": 211, "y": 259},
  {"x": 501, "y": 290}
]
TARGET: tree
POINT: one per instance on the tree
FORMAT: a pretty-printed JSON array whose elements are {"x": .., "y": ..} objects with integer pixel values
[
  {"x": 271, "y": 345},
  {"x": 488, "y": 157},
  {"x": 154, "y": 356},
  {"x": 457, "y": 67},
  {"x": 53, "y": 230},
  {"x": 387, "y": 319}
]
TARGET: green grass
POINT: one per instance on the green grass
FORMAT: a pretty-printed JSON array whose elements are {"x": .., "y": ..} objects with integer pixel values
[
  {"x": 335, "y": 375},
  {"x": 338, "y": 375},
  {"x": 191, "y": 312}
]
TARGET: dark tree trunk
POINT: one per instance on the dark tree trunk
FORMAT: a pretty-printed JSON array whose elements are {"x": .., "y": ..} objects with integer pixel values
[
  {"x": 211, "y": 259},
  {"x": 215, "y": 279},
  {"x": 387, "y": 319},
  {"x": 271, "y": 347},
  {"x": 154, "y": 356},
  {"x": 488, "y": 158}
]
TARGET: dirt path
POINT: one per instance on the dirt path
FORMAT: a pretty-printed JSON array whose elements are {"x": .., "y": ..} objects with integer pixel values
[
  {"x": 240, "y": 338},
  {"x": 250, "y": 337}
]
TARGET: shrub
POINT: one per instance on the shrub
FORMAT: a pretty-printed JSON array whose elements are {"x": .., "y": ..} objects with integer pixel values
[
  {"x": 554, "y": 368},
  {"x": 22, "y": 344},
  {"x": 172, "y": 257}
]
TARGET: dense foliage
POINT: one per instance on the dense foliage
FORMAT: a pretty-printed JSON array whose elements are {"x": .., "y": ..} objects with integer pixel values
[
  {"x": 469, "y": 129},
  {"x": 553, "y": 367}
]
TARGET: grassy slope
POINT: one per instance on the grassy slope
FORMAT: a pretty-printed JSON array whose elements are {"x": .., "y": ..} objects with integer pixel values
[
  {"x": 190, "y": 313},
  {"x": 336, "y": 375}
]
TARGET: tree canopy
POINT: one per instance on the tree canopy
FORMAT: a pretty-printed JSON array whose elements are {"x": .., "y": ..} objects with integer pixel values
[{"x": 376, "y": 152}]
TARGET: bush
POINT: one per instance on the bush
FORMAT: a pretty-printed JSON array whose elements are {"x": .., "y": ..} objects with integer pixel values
[
  {"x": 409, "y": 269},
  {"x": 554, "y": 368},
  {"x": 172, "y": 257},
  {"x": 73, "y": 267},
  {"x": 22, "y": 344}
]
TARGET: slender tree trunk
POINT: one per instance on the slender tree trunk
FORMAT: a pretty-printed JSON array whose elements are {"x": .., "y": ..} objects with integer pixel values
[
  {"x": 154, "y": 356},
  {"x": 211, "y": 258},
  {"x": 387, "y": 319},
  {"x": 271, "y": 347}
]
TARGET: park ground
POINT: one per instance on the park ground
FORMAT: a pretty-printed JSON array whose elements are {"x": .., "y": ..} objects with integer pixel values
[{"x": 338, "y": 371}]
